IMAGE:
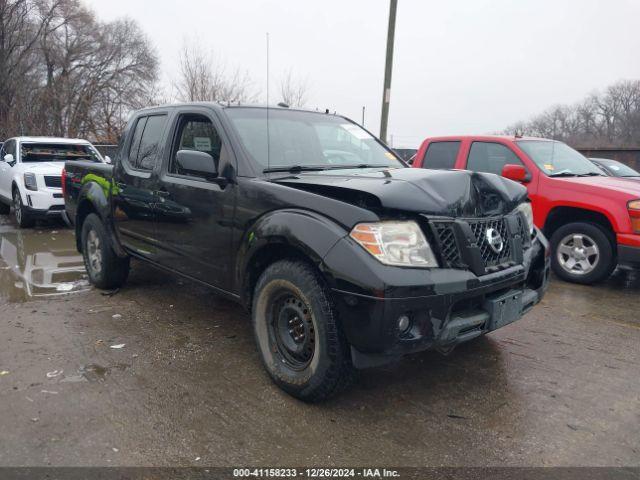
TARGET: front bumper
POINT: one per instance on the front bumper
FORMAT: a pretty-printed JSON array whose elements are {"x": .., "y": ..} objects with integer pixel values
[
  {"x": 629, "y": 255},
  {"x": 55, "y": 211},
  {"x": 628, "y": 249},
  {"x": 44, "y": 203},
  {"x": 446, "y": 306}
]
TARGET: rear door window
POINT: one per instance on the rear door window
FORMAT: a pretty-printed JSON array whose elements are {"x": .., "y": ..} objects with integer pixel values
[
  {"x": 490, "y": 157},
  {"x": 135, "y": 141},
  {"x": 150, "y": 142},
  {"x": 441, "y": 155}
]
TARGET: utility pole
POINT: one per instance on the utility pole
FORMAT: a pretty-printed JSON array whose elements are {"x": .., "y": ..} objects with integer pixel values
[
  {"x": 386, "y": 92},
  {"x": 362, "y": 116}
]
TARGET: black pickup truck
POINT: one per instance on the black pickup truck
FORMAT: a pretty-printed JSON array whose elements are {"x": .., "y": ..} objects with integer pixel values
[{"x": 344, "y": 256}]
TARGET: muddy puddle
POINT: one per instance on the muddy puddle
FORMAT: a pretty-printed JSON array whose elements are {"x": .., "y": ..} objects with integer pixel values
[{"x": 39, "y": 263}]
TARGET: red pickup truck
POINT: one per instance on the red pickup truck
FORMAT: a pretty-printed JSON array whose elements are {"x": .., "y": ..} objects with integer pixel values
[{"x": 593, "y": 221}]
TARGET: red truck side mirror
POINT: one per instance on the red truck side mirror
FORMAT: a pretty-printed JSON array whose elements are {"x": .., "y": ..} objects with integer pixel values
[{"x": 516, "y": 173}]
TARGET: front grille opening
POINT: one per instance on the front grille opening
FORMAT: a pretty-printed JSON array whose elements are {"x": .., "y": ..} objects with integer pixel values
[
  {"x": 490, "y": 257},
  {"x": 53, "y": 181},
  {"x": 458, "y": 247},
  {"x": 448, "y": 245}
]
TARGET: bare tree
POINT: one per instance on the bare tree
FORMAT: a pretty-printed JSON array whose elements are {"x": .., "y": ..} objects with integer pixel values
[
  {"x": 611, "y": 118},
  {"x": 67, "y": 73},
  {"x": 21, "y": 25},
  {"x": 294, "y": 91},
  {"x": 203, "y": 77}
]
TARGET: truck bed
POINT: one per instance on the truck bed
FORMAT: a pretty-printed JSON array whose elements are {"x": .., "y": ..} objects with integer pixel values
[{"x": 78, "y": 174}]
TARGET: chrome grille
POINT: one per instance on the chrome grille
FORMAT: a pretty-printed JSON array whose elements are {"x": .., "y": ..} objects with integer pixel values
[
  {"x": 489, "y": 256},
  {"x": 463, "y": 243}
]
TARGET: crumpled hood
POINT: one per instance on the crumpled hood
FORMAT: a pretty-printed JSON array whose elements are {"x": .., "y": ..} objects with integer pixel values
[{"x": 453, "y": 193}]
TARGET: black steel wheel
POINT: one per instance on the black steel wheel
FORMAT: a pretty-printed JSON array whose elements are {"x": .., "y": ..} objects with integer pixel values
[
  {"x": 298, "y": 333},
  {"x": 291, "y": 325}
]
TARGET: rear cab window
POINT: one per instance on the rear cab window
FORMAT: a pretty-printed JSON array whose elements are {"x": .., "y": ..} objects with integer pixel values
[
  {"x": 441, "y": 155},
  {"x": 146, "y": 141}
]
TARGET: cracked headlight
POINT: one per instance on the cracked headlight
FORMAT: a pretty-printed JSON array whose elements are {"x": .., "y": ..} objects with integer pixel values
[
  {"x": 527, "y": 212},
  {"x": 30, "y": 181},
  {"x": 401, "y": 244}
]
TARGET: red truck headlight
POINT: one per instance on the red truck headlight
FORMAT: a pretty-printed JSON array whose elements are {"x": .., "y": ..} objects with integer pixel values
[{"x": 634, "y": 213}]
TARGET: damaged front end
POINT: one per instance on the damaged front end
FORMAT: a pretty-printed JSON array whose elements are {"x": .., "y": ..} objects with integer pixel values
[{"x": 492, "y": 264}]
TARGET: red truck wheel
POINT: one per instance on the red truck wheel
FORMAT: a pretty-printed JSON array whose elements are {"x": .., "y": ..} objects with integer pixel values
[{"x": 582, "y": 253}]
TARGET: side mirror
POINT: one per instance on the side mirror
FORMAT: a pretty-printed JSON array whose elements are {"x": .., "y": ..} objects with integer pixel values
[
  {"x": 516, "y": 173},
  {"x": 196, "y": 162},
  {"x": 9, "y": 159},
  {"x": 107, "y": 159}
]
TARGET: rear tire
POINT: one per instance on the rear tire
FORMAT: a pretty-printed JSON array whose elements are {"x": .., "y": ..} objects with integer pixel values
[
  {"x": 298, "y": 334},
  {"x": 582, "y": 253},
  {"x": 23, "y": 219},
  {"x": 106, "y": 269}
]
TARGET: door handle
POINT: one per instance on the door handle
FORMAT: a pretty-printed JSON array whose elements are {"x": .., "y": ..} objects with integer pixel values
[{"x": 162, "y": 193}]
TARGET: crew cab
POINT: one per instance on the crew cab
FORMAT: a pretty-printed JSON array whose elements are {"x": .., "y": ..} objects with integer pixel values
[
  {"x": 343, "y": 255},
  {"x": 30, "y": 175},
  {"x": 592, "y": 220}
]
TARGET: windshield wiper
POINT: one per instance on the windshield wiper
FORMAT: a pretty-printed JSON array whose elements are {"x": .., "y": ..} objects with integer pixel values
[
  {"x": 359, "y": 165},
  {"x": 564, "y": 174},
  {"x": 592, "y": 174},
  {"x": 294, "y": 168}
]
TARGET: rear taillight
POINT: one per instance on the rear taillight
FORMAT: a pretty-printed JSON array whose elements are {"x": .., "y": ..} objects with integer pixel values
[{"x": 64, "y": 181}]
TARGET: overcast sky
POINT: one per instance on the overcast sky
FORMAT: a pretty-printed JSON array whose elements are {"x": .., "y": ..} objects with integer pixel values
[{"x": 460, "y": 66}]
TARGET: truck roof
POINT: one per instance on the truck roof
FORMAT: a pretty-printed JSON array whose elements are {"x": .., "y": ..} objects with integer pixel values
[
  {"x": 486, "y": 137},
  {"x": 220, "y": 106},
  {"x": 51, "y": 140}
]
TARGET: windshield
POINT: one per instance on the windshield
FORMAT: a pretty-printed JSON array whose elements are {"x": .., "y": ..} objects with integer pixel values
[
  {"x": 558, "y": 159},
  {"x": 617, "y": 169},
  {"x": 57, "y": 152},
  {"x": 307, "y": 140}
]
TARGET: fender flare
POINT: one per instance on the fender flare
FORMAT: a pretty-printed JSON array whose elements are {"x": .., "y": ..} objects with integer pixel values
[
  {"x": 594, "y": 208},
  {"x": 94, "y": 194},
  {"x": 305, "y": 231}
]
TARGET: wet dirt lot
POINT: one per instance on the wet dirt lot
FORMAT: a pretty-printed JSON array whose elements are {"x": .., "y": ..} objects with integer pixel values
[{"x": 559, "y": 387}]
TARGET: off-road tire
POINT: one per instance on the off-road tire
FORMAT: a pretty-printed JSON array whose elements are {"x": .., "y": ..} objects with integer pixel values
[
  {"x": 113, "y": 269},
  {"x": 330, "y": 369},
  {"x": 606, "y": 262},
  {"x": 23, "y": 219}
]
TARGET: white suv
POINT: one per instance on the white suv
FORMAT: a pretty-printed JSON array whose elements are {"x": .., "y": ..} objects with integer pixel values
[{"x": 31, "y": 175}]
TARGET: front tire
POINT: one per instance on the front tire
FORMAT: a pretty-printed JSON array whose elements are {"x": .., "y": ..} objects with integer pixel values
[
  {"x": 298, "y": 334},
  {"x": 106, "y": 269},
  {"x": 20, "y": 212},
  {"x": 582, "y": 253}
]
